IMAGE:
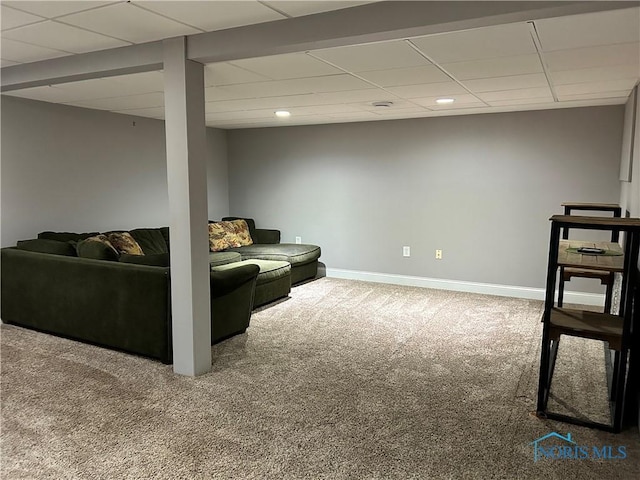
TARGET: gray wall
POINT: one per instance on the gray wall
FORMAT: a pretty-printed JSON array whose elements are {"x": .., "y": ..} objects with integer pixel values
[
  {"x": 480, "y": 187},
  {"x": 68, "y": 168}
]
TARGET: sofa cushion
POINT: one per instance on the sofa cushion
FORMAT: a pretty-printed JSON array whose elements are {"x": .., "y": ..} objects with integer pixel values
[
  {"x": 151, "y": 240},
  {"x": 123, "y": 242},
  {"x": 153, "y": 260},
  {"x": 66, "y": 236},
  {"x": 97, "y": 248},
  {"x": 223, "y": 258},
  {"x": 295, "y": 254},
  {"x": 42, "y": 245}
]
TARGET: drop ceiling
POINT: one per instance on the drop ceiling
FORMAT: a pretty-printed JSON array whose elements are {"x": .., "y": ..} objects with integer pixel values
[{"x": 569, "y": 61}]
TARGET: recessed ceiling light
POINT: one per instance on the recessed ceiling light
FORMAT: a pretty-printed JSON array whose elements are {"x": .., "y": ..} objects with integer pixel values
[
  {"x": 444, "y": 101},
  {"x": 383, "y": 104},
  {"x": 283, "y": 113}
]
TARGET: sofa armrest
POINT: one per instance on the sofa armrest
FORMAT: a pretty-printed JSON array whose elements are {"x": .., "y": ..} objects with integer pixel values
[
  {"x": 232, "y": 294},
  {"x": 225, "y": 281},
  {"x": 264, "y": 235}
]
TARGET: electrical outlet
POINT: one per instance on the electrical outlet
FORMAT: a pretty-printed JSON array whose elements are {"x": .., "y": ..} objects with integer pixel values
[
  {"x": 438, "y": 254},
  {"x": 406, "y": 251},
  {"x": 298, "y": 239}
]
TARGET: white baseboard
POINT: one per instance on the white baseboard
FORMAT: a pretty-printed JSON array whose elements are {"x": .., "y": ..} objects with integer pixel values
[{"x": 460, "y": 286}]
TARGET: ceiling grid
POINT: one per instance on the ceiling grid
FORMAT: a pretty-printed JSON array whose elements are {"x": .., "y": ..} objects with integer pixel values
[{"x": 521, "y": 65}]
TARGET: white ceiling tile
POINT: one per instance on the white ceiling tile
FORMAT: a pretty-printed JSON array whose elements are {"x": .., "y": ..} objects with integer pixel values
[
  {"x": 596, "y": 87},
  {"x": 147, "y": 100},
  {"x": 427, "y": 90},
  {"x": 507, "y": 83},
  {"x": 620, "y": 95},
  {"x": 7, "y": 63},
  {"x": 352, "y": 96},
  {"x": 216, "y": 94},
  {"x": 333, "y": 83},
  {"x": 402, "y": 112},
  {"x": 354, "y": 115},
  {"x": 145, "y": 82},
  {"x": 405, "y": 76},
  {"x": 291, "y": 65},
  {"x": 127, "y": 22},
  {"x": 521, "y": 101},
  {"x": 298, "y": 86},
  {"x": 460, "y": 106},
  {"x": 541, "y": 93},
  {"x": 216, "y": 74},
  {"x": 227, "y": 106},
  {"x": 324, "y": 109},
  {"x": 590, "y": 29},
  {"x": 462, "y": 99},
  {"x": 213, "y": 15},
  {"x": 24, "y": 53},
  {"x": 618, "y": 72},
  {"x": 588, "y": 57},
  {"x": 62, "y": 37},
  {"x": 12, "y": 18},
  {"x": 44, "y": 94},
  {"x": 488, "y": 42},
  {"x": 154, "y": 112},
  {"x": 397, "y": 105},
  {"x": 268, "y": 102},
  {"x": 495, "y": 67},
  {"x": 52, "y": 9},
  {"x": 308, "y": 7},
  {"x": 374, "y": 56}
]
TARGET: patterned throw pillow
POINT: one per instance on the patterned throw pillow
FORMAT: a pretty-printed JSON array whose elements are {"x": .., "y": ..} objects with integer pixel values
[
  {"x": 219, "y": 238},
  {"x": 124, "y": 243},
  {"x": 241, "y": 233},
  {"x": 232, "y": 234}
]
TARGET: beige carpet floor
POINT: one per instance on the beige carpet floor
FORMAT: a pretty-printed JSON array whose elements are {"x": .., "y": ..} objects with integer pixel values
[{"x": 343, "y": 380}]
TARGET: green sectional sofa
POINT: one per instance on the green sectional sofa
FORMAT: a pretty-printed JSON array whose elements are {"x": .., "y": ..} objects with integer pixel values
[{"x": 121, "y": 303}]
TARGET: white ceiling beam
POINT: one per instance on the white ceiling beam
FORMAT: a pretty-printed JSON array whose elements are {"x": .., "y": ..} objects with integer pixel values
[
  {"x": 376, "y": 22},
  {"x": 372, "y": 22},
  {"x": 139, "y": 58}
]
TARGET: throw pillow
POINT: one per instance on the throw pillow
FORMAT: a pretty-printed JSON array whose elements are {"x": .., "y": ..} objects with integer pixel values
[
  {"x": 153, "y": 260},
  {"x": 123, "y": 242},
  {"x": 42, "y": 245},
  {"x": 97, "y": 248},
  {"x": 241, "y": 234},
  {"x": 220, "y": 236}
]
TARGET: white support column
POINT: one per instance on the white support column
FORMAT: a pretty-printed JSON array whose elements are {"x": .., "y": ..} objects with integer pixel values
[{"x": 187, "y": 180}]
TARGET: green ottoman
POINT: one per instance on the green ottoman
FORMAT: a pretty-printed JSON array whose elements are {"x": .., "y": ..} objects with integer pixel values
[{"x": 273, "y": 282}]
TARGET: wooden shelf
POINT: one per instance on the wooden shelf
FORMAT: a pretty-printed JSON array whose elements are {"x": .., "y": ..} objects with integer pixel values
[
  {"x": 586, "y": 324},
  {"x": 600, "y": 207},
  {"x": 609, "y": 263},
  {"x": 597, "y": 223}
]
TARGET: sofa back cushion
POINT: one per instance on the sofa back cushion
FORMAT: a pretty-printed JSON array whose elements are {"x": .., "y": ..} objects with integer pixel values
[
  {"x": 98, "y": 248},
  {"x": 66, "y": 236},
  {"x": 151, "y": 240},
  {"x": 43, "y": 245}
]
